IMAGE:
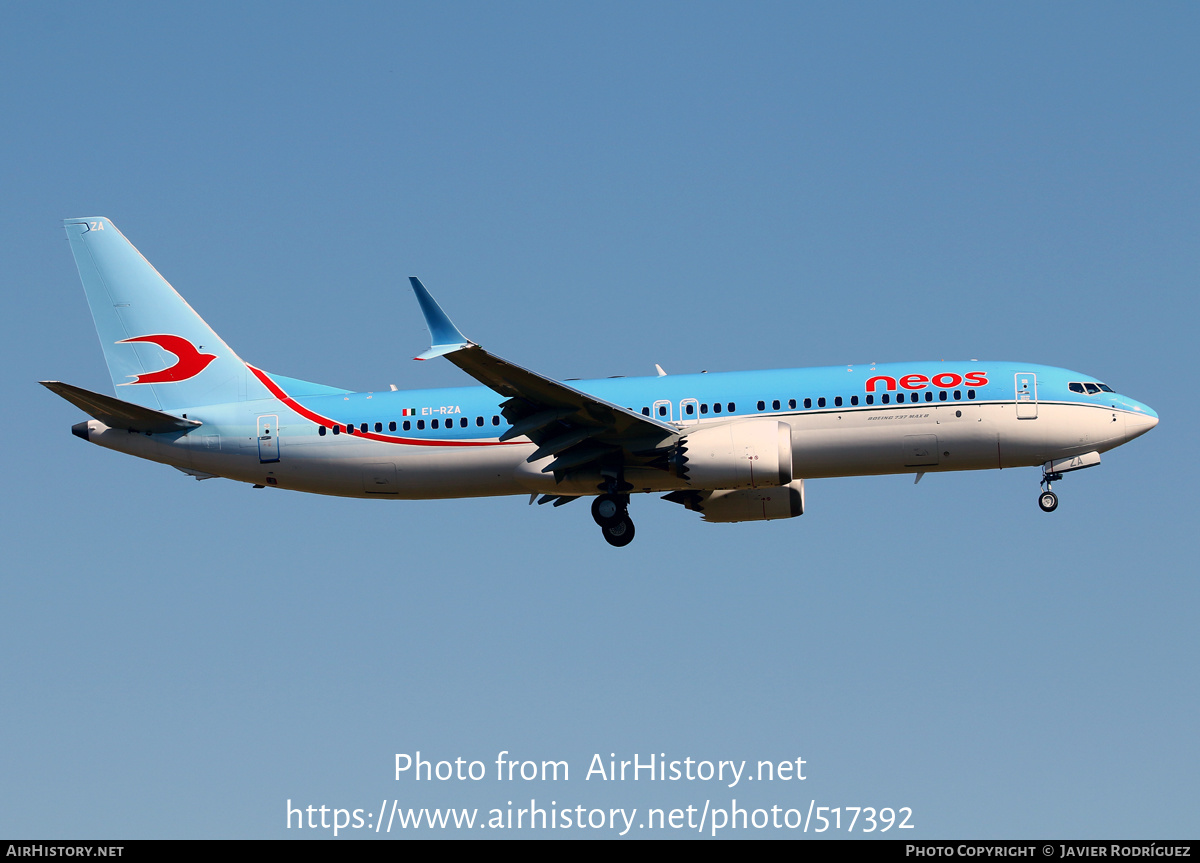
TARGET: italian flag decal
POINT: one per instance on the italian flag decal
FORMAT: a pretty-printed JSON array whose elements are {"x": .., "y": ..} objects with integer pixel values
[{"x": 408, "y": 412}]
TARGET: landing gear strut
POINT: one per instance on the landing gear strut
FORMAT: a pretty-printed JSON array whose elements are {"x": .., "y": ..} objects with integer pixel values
[
  {"x": 1047, "y": 499},
  {"x": 611, "y": 512}
]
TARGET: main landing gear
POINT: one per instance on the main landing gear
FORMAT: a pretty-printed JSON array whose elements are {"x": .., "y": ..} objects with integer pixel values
[
  {"x": 1047, "y": 499},
  {"x": 611, "y": 512}
]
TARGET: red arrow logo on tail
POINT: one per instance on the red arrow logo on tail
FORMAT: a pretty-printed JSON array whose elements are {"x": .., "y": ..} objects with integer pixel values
[{"x": 191, "y": 362}]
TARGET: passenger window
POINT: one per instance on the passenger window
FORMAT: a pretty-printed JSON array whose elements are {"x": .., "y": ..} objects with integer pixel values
[
  {"x": 646, "y": 412},
  {"x": 929, "y": 395},
  {"x": 942, "y": 396},
  {"x": 970, "y": 394},
  {"x": 433, "y": 424},
  {"x": 363, "y": 428},
  {"x": 886, "y": 398},
  {"x": 408, "y": 425},
  {"x": 808, "y": 403},
  {"x": 378, "y": 427},
  {"x": 392, "y": 425},
  {"x": 870, "y": 400},
  {"x": 854, "y": 400},
  {"x": 662, "y": 410},
  {"x": 731, "y": 407},
  {"x": 899, "y": 398},
  {"x": 421, "y": 425},
  {"x": 337, "y": 429},
  {"x": 321, "y": 431},
  {"x": 478, "y": 421},
  {"x": 462, "y": 422},
  {"x": 821, "y": 402},
  {"x": 716, "y": 407},
  {"x": 495, "y": 421},
  {"x": 958, "y": 395},
  {"x": 837, "y": 401},
  {"x": 762, "y": 405},
  {"x": 775, "y": 405},
  {"x": 791, "y": 404},
  {"x": 704, "y": 408},
  {"x": 1075, "y": 387},
  {"x": 689, "y": 409}
]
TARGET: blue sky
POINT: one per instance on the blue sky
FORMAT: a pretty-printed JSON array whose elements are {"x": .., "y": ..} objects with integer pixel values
[{"x": 589, "y": 191}]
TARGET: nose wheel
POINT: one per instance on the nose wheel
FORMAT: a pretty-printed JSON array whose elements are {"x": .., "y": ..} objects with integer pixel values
[{"x": 611, "y": 512}]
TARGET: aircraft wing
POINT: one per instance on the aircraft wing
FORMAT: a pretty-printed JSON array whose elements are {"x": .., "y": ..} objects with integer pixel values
[
  {"x": 117, "y": 414},
  {"x": 576, "y": 428}
]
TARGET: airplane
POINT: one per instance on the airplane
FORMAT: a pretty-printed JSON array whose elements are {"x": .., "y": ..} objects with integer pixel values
[{"x": 730, "y": 446}]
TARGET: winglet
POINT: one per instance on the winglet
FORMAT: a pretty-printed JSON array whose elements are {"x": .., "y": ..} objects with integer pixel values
[{"x": 444, "y": 335}]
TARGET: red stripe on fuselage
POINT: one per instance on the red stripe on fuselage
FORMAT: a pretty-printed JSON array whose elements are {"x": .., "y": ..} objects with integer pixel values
[{"x": 328, "y": 423}]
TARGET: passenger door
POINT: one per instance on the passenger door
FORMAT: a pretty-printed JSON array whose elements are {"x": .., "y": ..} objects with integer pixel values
[
  {"x": 268, "y": 439},
  {"x": 1026, "y": 395}
]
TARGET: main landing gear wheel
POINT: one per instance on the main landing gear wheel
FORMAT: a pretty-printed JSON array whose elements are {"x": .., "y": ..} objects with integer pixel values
[
  {"x": 608, "y": 509},
  {"x": 619, "y": 533}
]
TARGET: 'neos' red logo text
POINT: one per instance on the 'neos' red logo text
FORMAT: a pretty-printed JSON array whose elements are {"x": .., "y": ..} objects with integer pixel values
[{"x": 943, "y": 380}]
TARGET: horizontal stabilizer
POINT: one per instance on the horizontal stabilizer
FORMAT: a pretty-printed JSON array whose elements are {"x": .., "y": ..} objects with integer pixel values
[{"x": 117, "y": 414}]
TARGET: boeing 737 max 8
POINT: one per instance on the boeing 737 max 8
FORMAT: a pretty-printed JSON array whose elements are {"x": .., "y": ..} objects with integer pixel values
[{"x": 734, "y": 446}]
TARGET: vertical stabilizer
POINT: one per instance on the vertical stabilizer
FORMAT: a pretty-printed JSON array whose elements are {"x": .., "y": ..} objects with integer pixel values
[{"x": 160, "y": 353}]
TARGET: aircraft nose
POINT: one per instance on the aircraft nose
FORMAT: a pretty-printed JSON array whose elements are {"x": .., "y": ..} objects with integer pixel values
[{"x": 1139, "y": 422}]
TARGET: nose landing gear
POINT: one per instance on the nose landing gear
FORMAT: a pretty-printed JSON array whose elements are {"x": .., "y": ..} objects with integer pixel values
[
  {"x": 611, "y": 512},
  {"x": 1053, "y": 470},
  {"x": 1047, "y": 499}
]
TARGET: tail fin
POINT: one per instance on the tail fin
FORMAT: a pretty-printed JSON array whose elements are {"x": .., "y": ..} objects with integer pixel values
[{"x": 160, "y": 353}]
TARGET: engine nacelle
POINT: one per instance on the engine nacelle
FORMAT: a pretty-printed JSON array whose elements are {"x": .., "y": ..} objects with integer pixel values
[
  {"x": 754, "y": 453},
  {"x": 753, "y": 504}
]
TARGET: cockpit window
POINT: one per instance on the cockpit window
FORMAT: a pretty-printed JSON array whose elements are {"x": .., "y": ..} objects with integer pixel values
[
  {"x": 1092, "y": 389},
  {"x": 1075, "y": 387},
  {"x": 1105, "y": 387}
]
